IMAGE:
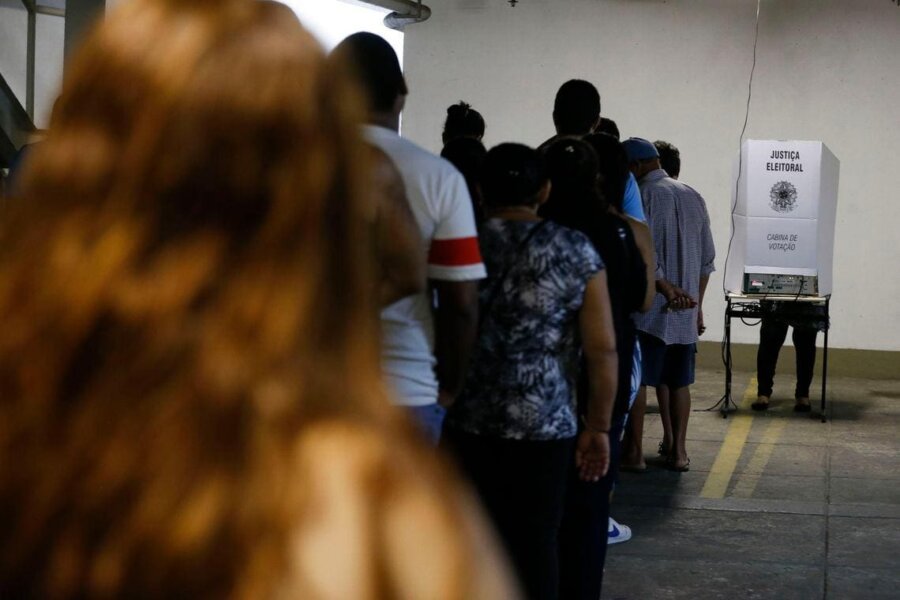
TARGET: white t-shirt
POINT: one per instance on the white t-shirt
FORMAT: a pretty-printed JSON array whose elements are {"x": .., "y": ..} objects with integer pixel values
[{"x": 440, "y": 202}]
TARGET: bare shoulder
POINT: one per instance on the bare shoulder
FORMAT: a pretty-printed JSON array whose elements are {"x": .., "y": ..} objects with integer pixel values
[{"x": 372, "y": 499}]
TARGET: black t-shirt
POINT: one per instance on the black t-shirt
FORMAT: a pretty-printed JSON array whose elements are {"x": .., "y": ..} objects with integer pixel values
[{"x": 627, "y": 282}]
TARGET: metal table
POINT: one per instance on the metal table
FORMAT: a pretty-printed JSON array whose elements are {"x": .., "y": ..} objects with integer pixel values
[{"x": 747, "y": 306}]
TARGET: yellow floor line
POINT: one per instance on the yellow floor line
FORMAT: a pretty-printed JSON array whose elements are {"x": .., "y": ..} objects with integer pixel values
[
  {"x": 746, "y": 483},
  {"x": 732, "y": 446}
]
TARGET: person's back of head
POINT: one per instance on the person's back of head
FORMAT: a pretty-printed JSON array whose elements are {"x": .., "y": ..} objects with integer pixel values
[
  {"x": 513, "y": 175},
  {"x": 609, "y": 127},
  {"x": 576, "y": 110},
  {"x": 613, "y": 168},
  {"x": 462, "y": 121},
  {"x": 643, "y": 157},
  {"x": 572, "y": 167},
  {"x": 377, "y": 69},
  {"x": 669, "y": 158},
  {"x": 189, "y": 274},
  {"x": 467, "y": 154}
]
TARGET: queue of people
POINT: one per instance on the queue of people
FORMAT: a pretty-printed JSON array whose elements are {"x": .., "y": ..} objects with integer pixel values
[
  {"x": 223, "y": 271},
  {"x": 192, "y": 397},
  {"x": 586, "y": 253}
]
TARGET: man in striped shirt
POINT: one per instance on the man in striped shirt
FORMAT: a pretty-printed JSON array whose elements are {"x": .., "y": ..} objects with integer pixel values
[{"x": 679, "y": 222}]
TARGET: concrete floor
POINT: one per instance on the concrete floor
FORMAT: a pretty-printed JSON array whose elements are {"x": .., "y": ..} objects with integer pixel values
[{"x": 776, "y": 505}]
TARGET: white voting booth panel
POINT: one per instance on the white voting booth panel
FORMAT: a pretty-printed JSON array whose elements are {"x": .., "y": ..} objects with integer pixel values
[{"x": 784, "y": 213}]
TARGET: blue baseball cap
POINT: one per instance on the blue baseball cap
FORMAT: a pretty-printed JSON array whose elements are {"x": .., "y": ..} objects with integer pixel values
[{"x": 639, "y": 149}]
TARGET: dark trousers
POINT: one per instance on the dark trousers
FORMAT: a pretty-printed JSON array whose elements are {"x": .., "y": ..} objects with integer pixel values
[
  {"x": 584, "y": 530},
  {"x": 772, "y": 334},
  {"x": 522, "y": 486}
]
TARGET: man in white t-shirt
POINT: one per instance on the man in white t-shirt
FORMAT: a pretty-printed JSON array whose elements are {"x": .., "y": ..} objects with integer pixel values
[{"x": 427, "y": 337}]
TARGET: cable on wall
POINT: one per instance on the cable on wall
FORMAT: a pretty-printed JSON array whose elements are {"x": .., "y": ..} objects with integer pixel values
[
  {"x": 740, "y": 173},
  {"x": 737, "y": 182}
]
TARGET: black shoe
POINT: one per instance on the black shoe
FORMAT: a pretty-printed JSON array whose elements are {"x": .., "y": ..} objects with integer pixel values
[
  {"x": 762, "y": 403},
  {"x": 802, "y": 405}
]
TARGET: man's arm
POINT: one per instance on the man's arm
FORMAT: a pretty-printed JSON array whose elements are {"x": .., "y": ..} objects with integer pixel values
[
  {"x": 454, "y": 268},
  {"x": 677, "y": 297},
  {"x": 455, "y": 331},
  {"x": 632, "y": 203},
  {"x": 707, "y": 263},
  {"x": 704, "y": 279},
  {"x": 401, "y": 261},
  {"x": 645, "y": 245}
]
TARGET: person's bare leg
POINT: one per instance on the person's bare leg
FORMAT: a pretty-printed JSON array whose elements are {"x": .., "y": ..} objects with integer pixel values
[
  {"x": 680, "y": 407},
  {"x": 665, "y": 415},
  {"x": 633, "y": 443}
]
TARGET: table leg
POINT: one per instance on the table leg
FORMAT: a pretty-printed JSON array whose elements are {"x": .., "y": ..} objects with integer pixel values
[
  {"x": 825, "y": 356},
  {"x": 725, "y": 404}
]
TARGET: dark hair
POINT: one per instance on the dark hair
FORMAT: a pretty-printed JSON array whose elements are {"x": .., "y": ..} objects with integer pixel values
[
  {"x": 609, "y": 127},
  {"x": 613, "y": 167},
  {"x": 467, "y": 154},
  {"x": 462, "y": 121},
  {"x": 669, "y": 158},
  {"x": 573, "y": 167},
  {"x": 376, "y": 67},
  {"x": 577, "y": 107},
  {"x": 512, "y": 175}
]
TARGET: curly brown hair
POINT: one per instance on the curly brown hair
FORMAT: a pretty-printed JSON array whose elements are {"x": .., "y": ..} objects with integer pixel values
[{"x": 185, "y": 288}]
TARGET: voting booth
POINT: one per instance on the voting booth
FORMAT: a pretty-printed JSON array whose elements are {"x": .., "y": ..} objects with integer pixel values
[{"x": 783, "y": 219}]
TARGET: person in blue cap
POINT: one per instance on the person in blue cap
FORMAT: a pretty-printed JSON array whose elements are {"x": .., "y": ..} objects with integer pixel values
[{"x": 668, "y": 332}]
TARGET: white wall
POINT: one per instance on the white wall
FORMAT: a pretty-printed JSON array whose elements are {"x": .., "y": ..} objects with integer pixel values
[
  {"x": 826, "y": 70},
  {"x": 330, "y": 21}
]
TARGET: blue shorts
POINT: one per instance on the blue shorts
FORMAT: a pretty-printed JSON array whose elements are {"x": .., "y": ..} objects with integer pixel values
[{"x": 671, "y": 365}]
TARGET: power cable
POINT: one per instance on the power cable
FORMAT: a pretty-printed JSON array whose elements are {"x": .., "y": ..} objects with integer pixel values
[
  {"x": 725, "y": 400},
  {"x": 737, "y": 182}
]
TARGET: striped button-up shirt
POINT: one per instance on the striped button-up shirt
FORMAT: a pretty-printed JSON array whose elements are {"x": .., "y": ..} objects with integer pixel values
[{"x": 677, "y": 217}]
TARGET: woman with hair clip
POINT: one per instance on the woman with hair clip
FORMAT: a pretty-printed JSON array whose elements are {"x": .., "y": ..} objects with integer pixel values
[
  {"x": 190, "y": 396},
  {"x": 463, "y": 121}
]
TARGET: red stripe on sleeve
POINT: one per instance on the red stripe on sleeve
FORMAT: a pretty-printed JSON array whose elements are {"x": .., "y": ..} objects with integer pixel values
[{"x": 456, "y": 252}]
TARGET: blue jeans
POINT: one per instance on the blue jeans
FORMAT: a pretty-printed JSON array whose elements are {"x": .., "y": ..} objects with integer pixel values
[{"x": 430, "y": 419}]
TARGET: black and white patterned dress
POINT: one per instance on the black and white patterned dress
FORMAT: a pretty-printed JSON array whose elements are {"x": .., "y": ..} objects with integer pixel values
[{"x": 521, "y": 379}]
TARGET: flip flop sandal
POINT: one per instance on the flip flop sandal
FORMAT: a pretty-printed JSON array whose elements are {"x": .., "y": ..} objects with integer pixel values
[{"x": 680, "y": 468}]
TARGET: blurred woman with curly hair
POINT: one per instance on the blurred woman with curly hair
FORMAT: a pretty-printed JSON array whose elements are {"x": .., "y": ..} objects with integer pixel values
[{"x": 190, "y": 396}]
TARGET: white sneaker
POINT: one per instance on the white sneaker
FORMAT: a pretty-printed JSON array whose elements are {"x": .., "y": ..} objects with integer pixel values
[{"x": 617, "y": 533}]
